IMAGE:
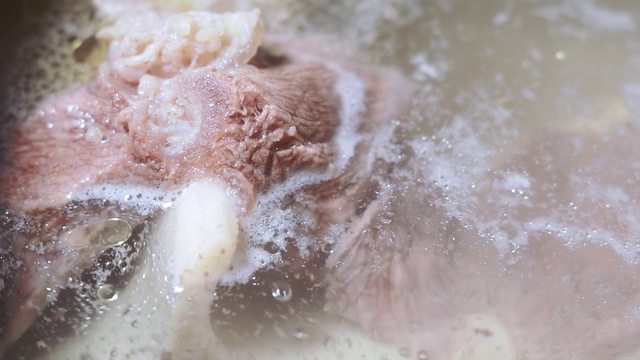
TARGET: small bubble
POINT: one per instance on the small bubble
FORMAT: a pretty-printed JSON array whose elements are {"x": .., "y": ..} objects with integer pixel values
[
  {"x": 422, "y": 355},
  {"x": 327, "y": 248},
  {"x": 107, "y": 292},
  {"x": 281, "y": 291},
  {"x": 300, "y": 334},
  {"x": 272, "y": 248}
]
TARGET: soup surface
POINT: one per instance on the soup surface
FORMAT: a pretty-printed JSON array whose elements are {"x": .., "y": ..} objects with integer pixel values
[{"x": 509, "y": 226}]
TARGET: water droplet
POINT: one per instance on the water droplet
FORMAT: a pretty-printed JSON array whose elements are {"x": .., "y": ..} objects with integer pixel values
[
  {"x": 327, "y": 248},
  {"x": 107, "y": 292},
  {"x": 110, "y": 232},
  {"x": 422, "y": 355},
  {"x": 281, "y": 291}
]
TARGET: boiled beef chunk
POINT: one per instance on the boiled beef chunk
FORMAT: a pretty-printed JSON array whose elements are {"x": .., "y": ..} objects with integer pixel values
[{"x": 180, "y": 99}]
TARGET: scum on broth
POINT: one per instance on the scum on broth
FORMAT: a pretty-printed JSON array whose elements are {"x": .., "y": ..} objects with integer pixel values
[{"x": 493, "y": 76}]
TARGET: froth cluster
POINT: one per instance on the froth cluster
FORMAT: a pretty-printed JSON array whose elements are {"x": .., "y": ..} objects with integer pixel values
[
  {"x": 273, "y": 221},
  {"x": 144, "y": 199}
]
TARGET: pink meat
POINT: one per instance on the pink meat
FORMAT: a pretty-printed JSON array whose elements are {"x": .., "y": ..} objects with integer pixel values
[
  {"x": 411, "y": 275},
  {"x": 257, "y": 126},
  {"x": 249, "y": 126}
]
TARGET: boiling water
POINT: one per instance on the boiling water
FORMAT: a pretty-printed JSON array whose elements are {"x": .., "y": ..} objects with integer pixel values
[{"x": 524, "y": 122}]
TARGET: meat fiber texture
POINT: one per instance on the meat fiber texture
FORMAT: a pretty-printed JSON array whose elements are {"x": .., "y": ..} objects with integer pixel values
[
  {"x": 410, "y": 261},
  {"x": 181, "y": 98}
]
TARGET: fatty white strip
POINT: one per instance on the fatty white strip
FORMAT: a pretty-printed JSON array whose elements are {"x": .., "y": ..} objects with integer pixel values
[{"x": 164, "y": 307}]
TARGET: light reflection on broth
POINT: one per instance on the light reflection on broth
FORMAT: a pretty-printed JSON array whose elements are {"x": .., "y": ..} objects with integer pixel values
[{"x": 521, "y": 181}]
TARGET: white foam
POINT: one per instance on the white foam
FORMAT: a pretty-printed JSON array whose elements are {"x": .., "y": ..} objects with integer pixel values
[
  {"x": 509, "y": 207},
  {"x": 144, "y": 199},
  {"x": 272, "y": 223},
  {"x": 352, "y": 91},
  {"x": 426, "y": 69},
  {"x": 246, "y": 264},
  {"x": 590, "y": 14}
]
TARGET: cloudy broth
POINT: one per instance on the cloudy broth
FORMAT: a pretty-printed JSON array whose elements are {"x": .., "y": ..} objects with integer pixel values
[{"x": 519, "y": 143}]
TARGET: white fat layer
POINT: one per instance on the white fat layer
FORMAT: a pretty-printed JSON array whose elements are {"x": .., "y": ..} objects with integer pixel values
[{"x": 164, "y": 307}]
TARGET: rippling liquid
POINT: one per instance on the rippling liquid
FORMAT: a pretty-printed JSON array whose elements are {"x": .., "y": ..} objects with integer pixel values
[{"x": 525, "y": 121}]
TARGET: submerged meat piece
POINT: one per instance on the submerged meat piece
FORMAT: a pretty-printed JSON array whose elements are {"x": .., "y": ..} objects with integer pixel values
[
  {"x": 246, "y": 126},
  {"x": 165, "y": 112},
  {"x": 190, "y": 97},
  {"x": 412, "y": 275}
]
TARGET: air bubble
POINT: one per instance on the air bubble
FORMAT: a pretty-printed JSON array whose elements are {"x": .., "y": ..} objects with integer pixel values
[
  {"x": 327, "y": 248},
  {"x": 300, "y": 334},
  {"x": 272, "y": 248},
  {"x": 422, "y": 355},
  {"x": 107, "y": 292},
  {"x": 281, "y": 291}
]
